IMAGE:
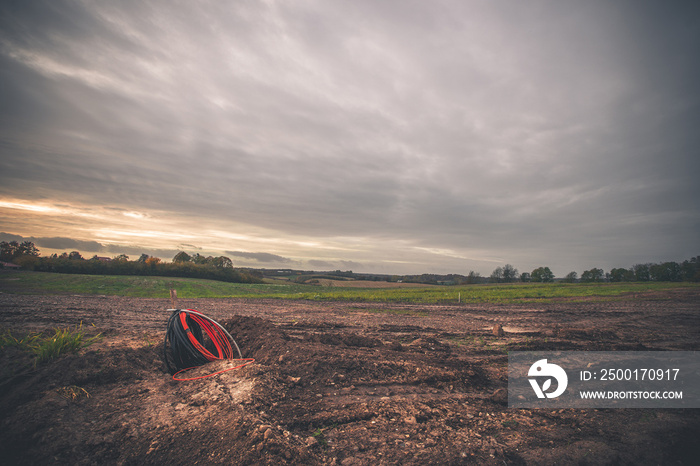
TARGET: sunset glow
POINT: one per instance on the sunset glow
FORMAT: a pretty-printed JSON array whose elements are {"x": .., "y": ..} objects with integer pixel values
[{"x": 374, "y": 136}]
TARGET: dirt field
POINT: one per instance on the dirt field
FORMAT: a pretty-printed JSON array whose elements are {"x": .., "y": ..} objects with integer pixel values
[{"x": 333, "y": 383}]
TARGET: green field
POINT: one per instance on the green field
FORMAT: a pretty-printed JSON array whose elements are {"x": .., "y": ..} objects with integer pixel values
[
  {"x": 158, "y": 287},
  {"x": 138, "y": 286}
]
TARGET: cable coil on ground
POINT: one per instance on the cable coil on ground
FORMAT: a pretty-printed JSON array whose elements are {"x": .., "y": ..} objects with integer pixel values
[{"x": 193, "y": 339}]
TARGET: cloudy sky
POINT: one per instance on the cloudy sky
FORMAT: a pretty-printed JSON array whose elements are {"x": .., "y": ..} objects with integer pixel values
[{"x": 387, "y": 136}]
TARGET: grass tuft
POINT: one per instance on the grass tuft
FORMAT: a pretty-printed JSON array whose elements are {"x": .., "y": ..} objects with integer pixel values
[
  {"x": 63, "y": 341},
  {"x": 320, "y": 438},
  {"x": 48, "y": 348},
  {"x": 72, "y": 392},
  {"x": 24, "y": 343}
]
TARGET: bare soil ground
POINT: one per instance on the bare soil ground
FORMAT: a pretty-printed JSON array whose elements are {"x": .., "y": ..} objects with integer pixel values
[{"x": 333, "y": 383}]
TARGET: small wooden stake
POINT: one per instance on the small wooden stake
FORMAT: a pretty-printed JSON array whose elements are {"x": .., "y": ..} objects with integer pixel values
[
  {"x": 497, "y": 330},
  {"x": 173, "y": 298}
]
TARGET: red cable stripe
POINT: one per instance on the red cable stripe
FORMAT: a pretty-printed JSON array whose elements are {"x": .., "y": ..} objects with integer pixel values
[
  {"x": 210, "y": 332},
  {"x": 215, "y": 334},
  {"x": 193, "y": 340}
]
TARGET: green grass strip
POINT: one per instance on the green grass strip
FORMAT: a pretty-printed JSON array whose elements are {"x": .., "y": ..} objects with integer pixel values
[{"x": 158, "y": 287}]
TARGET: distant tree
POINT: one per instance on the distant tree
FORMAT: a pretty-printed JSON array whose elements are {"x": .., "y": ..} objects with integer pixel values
[
  {"x": 510, "y": 273},
  {"x": 542, "y": 275},
  {"x": 641, "y": 272},
  {"x": 497, "y": 275},
  {"x": 8, "y": 250},
  {"x": 675, "y": 271},
  {"x": 143, "y": 258},
  {"x": 571, "y": 277},
  {"x": 13, "y": 249},
  {"x": 75, "y": 256},
  {"x": 152, "y": 261},
  {"x": 473, "y": 277},
  {"x": 121, "y": 265},
  {"x": 525, "y": 277},
  {"x": 202, "y": 260},
  {"x": 593, "y": 275},
  {"x": 222, "y": 262},
  {"x": 27, "y": 261},
  {"x": 182, "y": 256},
  {"x": 691, "y": 269},
  {"x": 666, "y": 272},
  {"x": 621, "y": 275},
  {"x": 27, "y": 248}
]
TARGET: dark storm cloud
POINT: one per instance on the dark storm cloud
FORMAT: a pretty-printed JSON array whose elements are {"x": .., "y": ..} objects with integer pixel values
[
  {"x": 322, "y": 265},
  {"x": 70, "y": 244},
  {"x": 188, "y": 247},
  {"x": 7, "y": 237},
  {"x": 260, "y": 256},
  {"x": 557, "y": 131},
  {"x": 56, "y": 242},
  {"x": 316, "y": 264}
]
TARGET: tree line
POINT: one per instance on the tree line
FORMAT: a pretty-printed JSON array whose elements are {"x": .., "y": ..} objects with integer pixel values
[
  {"x": 686, "y": 271},
  {"x": 221, "y": 268},
  {"x": 183, "y": 265}
]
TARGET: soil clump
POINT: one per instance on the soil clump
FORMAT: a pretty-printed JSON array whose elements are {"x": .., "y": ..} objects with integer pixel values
[{"x": 332, "y": 384}]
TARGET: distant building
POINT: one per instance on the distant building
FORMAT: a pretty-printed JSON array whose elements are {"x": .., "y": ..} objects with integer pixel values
[
  {"x": 103, "y": 259},
  {"x": 9, "y": 266}
]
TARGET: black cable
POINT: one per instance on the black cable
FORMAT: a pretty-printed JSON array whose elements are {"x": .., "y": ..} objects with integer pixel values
[
  {"x": 178, "y": 351},
  {"x": 182, "y": 353}
]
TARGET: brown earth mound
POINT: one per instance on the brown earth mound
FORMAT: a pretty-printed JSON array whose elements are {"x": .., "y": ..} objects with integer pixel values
[{"x": 344, "y": 384}]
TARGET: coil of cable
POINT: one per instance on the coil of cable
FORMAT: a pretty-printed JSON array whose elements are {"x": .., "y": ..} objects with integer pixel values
[{"x": 193, "y": 339}]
